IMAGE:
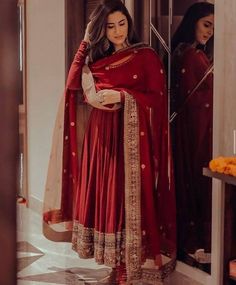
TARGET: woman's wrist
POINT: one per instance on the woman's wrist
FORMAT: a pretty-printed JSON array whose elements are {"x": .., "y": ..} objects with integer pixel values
[
  {"x": 86, "y": 39},
  {"x": 87, "y": 32}
]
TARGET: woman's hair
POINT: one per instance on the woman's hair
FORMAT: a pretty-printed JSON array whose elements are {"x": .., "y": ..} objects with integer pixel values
[
  {"x": 186, "y": 31},
  {"x": 97, "y": 36}
]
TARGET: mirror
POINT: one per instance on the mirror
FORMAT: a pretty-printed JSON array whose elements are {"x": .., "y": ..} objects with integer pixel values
[
  {"x": 191, "y": 105},
  {"x": 156, "y": 22}
]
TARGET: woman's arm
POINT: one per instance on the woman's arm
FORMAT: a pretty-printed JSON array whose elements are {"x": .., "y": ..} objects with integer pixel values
[
  {"x": 74, "y": 75},
  {"x": 101, "y": 98}
]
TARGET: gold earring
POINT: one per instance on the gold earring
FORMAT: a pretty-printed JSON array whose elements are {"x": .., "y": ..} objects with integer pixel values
[{"x": 106, "y": 44}]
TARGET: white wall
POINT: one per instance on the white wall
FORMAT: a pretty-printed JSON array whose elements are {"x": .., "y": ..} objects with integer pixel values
[
  {"x": 225, "y": 74},
  {"x": 45, "y": 83},
  {"x": 224, "y": 116}
]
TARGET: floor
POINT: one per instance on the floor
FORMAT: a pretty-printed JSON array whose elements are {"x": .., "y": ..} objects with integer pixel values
[{"x": 44, "y": 262}]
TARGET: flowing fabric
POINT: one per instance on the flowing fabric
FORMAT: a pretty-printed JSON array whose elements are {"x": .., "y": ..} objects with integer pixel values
[
  {"x": 115, "y": 186},
  {"x": 192, "y": 151}
]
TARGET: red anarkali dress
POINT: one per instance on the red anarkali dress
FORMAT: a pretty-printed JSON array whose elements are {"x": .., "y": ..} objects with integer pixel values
[
  {"x": 116, "y": 185},
  {"x": 192, "y": 152}
]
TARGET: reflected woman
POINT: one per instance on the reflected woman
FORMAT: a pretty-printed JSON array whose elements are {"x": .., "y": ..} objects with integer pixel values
[
  {"x": 114, "y": 185},
  {"x": 192, "y": 100}
]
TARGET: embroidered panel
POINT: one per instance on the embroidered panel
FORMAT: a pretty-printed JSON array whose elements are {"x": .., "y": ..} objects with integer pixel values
[{"x": 132, "y": 188}]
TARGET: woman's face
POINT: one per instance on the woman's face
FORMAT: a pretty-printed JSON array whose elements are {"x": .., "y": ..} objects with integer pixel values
[
  {"x": 204, "y": 29},
  {"x": 117, "y": 29}
]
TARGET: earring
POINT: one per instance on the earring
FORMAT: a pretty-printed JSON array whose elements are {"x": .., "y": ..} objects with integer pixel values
[
  {"x": 106, "y": 44},
  {"x": 127, "y": 42}
]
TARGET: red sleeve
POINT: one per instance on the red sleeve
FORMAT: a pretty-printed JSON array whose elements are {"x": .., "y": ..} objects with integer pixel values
[{"x": 74, "y": 76}]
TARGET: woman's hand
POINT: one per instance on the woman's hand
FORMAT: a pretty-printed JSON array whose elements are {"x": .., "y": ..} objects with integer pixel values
[
  {"x": 98, "y": 99},
  {"x": 87, "y": 32},
  {"x": 109, "y": 96}
]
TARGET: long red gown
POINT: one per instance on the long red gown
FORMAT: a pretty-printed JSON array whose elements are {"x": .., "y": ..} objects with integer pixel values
[
  {"x": 118, "y": 188},
  {"x": 192, "y": 152}
]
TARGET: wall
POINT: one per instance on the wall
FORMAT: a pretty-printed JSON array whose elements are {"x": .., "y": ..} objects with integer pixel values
[
  {"x": 225, "y": 102},
  {"x": 224, "y": 116},
  {"x": 45, "y": 83}
]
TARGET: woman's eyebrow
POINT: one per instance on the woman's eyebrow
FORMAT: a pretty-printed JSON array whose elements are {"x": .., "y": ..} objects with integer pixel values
[
  {"x": 114, "y": 23},
  {"x": 209, "y": 22}
]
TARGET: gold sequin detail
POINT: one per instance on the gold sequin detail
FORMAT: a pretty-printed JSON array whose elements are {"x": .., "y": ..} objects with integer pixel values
[{"x": 106, "y": 248}]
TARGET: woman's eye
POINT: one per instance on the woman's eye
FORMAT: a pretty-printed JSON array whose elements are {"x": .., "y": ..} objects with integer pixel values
[
  {"x": 122, "y": 24},
  {"x": 207, "y": 25},
  {"x": 110, "y": 27}
]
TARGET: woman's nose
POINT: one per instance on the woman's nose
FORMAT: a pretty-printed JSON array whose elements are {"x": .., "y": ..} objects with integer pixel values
[
  {"x": 117, "y": 30},
  {"x": 211, "y": 31}
]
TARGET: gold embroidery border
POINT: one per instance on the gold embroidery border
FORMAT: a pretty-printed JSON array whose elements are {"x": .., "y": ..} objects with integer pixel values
[
  {"x": 157, "y": 276},
  {"x": 106, "y": 248},
  {"x": 132, "y": 189}
]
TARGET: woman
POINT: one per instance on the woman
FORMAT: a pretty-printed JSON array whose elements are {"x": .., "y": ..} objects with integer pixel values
[
  {"x": 115, "y": 165},
  {"x": 192, "y": 100}
]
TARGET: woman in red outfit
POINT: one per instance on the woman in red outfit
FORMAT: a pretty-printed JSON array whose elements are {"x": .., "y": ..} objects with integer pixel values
[
  {"x": 116, "y": 186},
  {"x": 192, "y": 59}
]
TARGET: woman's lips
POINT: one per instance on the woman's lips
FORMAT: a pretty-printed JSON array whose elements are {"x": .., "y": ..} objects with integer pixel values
[{"x": 119, "y": 37}]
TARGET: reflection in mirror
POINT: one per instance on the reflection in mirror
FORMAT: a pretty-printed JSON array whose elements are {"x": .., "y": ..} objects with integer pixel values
[{"x": 191, "y": 107}]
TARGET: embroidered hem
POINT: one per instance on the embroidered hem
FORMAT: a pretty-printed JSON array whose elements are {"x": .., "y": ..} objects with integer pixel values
[
  {"x": 157, "y": 276},
  {"x": 106, "y": 248}
]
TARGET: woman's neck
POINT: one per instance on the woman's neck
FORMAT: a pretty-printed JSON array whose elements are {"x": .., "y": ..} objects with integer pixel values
[{"x": 119, "y": 47}]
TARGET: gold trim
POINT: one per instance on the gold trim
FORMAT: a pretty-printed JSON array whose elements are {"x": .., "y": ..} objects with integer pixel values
[
  {"x": 106, "y": 248},
  {"x": 121, "y": 63},
  {"x": 157, "y": 276},
  {"x": 132, "y": 189}
]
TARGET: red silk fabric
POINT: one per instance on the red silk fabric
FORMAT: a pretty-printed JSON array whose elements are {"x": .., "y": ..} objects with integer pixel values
[{"x": 193, "y": 149}]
